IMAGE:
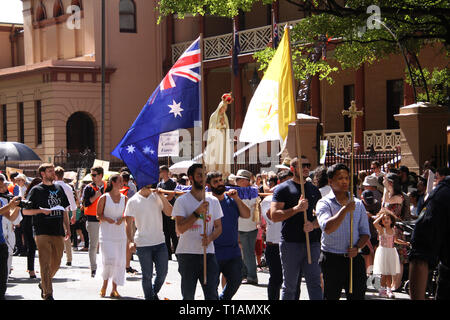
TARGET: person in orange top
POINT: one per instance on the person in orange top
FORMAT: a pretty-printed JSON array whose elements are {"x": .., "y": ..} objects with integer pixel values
[{"x": 91, "y": 194}]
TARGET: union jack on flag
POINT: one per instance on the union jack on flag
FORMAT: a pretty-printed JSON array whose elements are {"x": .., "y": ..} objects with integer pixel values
[
  {"x": 275, "y": 32},
  {"x": 187, "y": 66}
]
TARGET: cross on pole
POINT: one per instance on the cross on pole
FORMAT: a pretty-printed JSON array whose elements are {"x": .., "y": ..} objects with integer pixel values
[{"x": 352, "y": 113}]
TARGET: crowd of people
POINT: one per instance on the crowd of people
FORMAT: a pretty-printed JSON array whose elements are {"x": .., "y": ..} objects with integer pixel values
[{"x": 235, "y": 225}]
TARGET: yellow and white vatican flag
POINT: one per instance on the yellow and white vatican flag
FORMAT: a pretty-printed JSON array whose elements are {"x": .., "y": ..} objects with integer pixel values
[{"x": 272, "y": 107}]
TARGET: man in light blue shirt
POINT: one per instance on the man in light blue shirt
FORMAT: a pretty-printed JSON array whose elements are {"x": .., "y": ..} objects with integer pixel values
[{"x": 333, "y": 215}]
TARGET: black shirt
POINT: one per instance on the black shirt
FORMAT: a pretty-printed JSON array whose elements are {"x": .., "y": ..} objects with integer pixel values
[
  {"x": 168, "y": 185},
  {"x": 289, "y": 192},
  {"x": 430, "y": 239},
  {"x": 44, "y": 196}
]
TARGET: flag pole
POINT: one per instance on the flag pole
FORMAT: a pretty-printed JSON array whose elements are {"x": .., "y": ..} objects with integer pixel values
[
  {"x": 299, "y": 150},
  {"x": 353, "y": 113},
  {"x": 202, "y": 110}
]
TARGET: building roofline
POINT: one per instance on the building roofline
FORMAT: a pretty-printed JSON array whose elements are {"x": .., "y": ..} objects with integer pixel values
[{"x": 58, "y": 66}]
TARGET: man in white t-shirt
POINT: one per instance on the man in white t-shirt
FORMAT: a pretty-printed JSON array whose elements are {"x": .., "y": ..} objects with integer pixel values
[
  {"x": 144, "y": 208},
  {"x": 189, "y": 210},
  {"x": 59, "y": 173}
]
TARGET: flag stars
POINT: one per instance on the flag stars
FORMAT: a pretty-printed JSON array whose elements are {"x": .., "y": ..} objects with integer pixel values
[
  {"x": 131, "y": 149},
  {"x": 175, "y": 108},
  {"x": 148, "y": 150}
]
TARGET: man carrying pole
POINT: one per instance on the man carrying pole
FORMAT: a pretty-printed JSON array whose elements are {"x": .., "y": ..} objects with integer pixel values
[
  {"x": 191, "y": 211},
  {"x": 345, "y": 231},
  {"x": 269, "y": 114}
]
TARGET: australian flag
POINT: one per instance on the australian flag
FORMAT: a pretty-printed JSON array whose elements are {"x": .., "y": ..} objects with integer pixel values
[
  {"x": 236, "y": 50},
  {"x": 174, "y": 104},
  {"x": 275, "y": 32}
]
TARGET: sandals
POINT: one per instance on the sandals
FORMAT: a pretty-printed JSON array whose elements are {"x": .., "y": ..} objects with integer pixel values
[
  {"x": 115, "y": 294},
  {"x": 102, "y": 293}
]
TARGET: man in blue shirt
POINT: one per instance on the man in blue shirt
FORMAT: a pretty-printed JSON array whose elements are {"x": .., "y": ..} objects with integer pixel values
[
  {"x": 228, "y": 253},
  {"x": 333, "y": 214}
]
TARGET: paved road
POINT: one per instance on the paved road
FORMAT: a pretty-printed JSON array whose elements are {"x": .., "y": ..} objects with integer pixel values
[{"x": 75, "y": 283}]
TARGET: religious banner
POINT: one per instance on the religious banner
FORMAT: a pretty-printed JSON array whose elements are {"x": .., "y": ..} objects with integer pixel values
[{"x": 169, "y": 144}]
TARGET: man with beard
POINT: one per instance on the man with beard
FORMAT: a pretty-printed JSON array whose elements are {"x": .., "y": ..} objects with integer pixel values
[
  {"x": 228, "y": 253},
  {"x": 288, "y": 206},
  {"x": 189, "y": 211},
  {"x": 51, "y": 223}
]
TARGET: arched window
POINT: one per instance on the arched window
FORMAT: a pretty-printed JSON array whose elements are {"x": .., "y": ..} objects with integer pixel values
[
  {"x": 77, "y": 3},
  {"x": 40, "y": 12},
  {"x": 58, "y": 9},
  {"x": 127, "y": 13}
]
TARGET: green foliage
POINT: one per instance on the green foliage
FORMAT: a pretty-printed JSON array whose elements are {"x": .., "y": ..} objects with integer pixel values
[
  {"x": 360, "y": 33},
  {"x": 438, "y": 84}
]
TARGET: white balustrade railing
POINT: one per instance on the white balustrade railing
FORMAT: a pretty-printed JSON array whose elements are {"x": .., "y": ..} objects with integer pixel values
[
  {"x": 340, "y": 141},
  {"x": 250, "y": 40},
  {"x": 382, "y": 140}
]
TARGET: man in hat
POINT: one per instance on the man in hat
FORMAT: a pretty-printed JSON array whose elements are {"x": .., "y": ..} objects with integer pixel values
[
  {"x": 285, "y": 165},
  {"x": 248, "y": 230},
  {"x": 371, "y": 183}
]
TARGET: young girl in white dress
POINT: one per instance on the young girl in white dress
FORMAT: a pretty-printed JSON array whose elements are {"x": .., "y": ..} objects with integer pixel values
[
  {"x": 113, "y": 238},
  {"x": 386, "y": 261}
]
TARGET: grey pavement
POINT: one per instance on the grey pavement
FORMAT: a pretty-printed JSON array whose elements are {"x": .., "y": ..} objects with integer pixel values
[{"x": 75, "y": 283}]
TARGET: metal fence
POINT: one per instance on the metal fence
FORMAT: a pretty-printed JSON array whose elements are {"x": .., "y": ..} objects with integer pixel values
[{"x": 362, "y": 159}]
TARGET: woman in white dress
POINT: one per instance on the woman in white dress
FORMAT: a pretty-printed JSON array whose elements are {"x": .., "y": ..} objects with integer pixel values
[{"x": 113, "y": 239}]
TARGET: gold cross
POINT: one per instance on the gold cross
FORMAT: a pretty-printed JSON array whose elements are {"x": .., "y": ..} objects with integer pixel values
[{"x": 352, "y": 112}]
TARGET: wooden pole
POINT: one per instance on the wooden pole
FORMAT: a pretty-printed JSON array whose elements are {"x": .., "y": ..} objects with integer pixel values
[
  {"x": 299, "y": 151},
  {"x": 202, "y": 106},
  {"x": 353, "y": 113}
]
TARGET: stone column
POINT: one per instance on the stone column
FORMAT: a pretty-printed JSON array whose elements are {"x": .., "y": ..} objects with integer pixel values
[
  {"x": 423, "y": 128},
  {"x": 360, "y": 105}
]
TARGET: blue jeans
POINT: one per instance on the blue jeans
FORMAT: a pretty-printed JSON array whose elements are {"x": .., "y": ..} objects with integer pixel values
[
  {"x": 294, "y": 260},
  {"x": 231, "y": 269},
  {"x": 248, "y": 241},
  {"x": 147, "y": 256},
  {"x": 190, "y": 267}
]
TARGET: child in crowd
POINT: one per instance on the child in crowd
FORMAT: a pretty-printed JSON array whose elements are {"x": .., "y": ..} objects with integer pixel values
[{"x": 387, "y": 261}]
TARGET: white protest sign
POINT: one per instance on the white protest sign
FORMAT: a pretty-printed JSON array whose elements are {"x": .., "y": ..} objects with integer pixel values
[
  {"x": 169, "y": 144},
  {"x": 101, "y": 163}
]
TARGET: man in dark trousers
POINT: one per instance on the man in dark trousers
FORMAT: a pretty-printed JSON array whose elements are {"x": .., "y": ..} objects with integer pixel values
[
  {"x": 167, "y": 183},
  {"x": 431, "y": 244},
  {"x": 333, "y": 214}
]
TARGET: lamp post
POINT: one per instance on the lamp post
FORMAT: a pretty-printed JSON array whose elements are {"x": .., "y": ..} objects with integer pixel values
[{"x": 102, "y": 137}]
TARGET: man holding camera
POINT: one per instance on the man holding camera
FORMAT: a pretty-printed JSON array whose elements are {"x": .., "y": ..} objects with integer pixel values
[{"x": 50, "y": 223}]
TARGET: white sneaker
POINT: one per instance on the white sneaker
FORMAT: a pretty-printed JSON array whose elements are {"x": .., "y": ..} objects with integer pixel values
[
  {"x": 382, "y": 293},
  {"x": 81, "y": 244},
  {"x": 390, "y": 294}
]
